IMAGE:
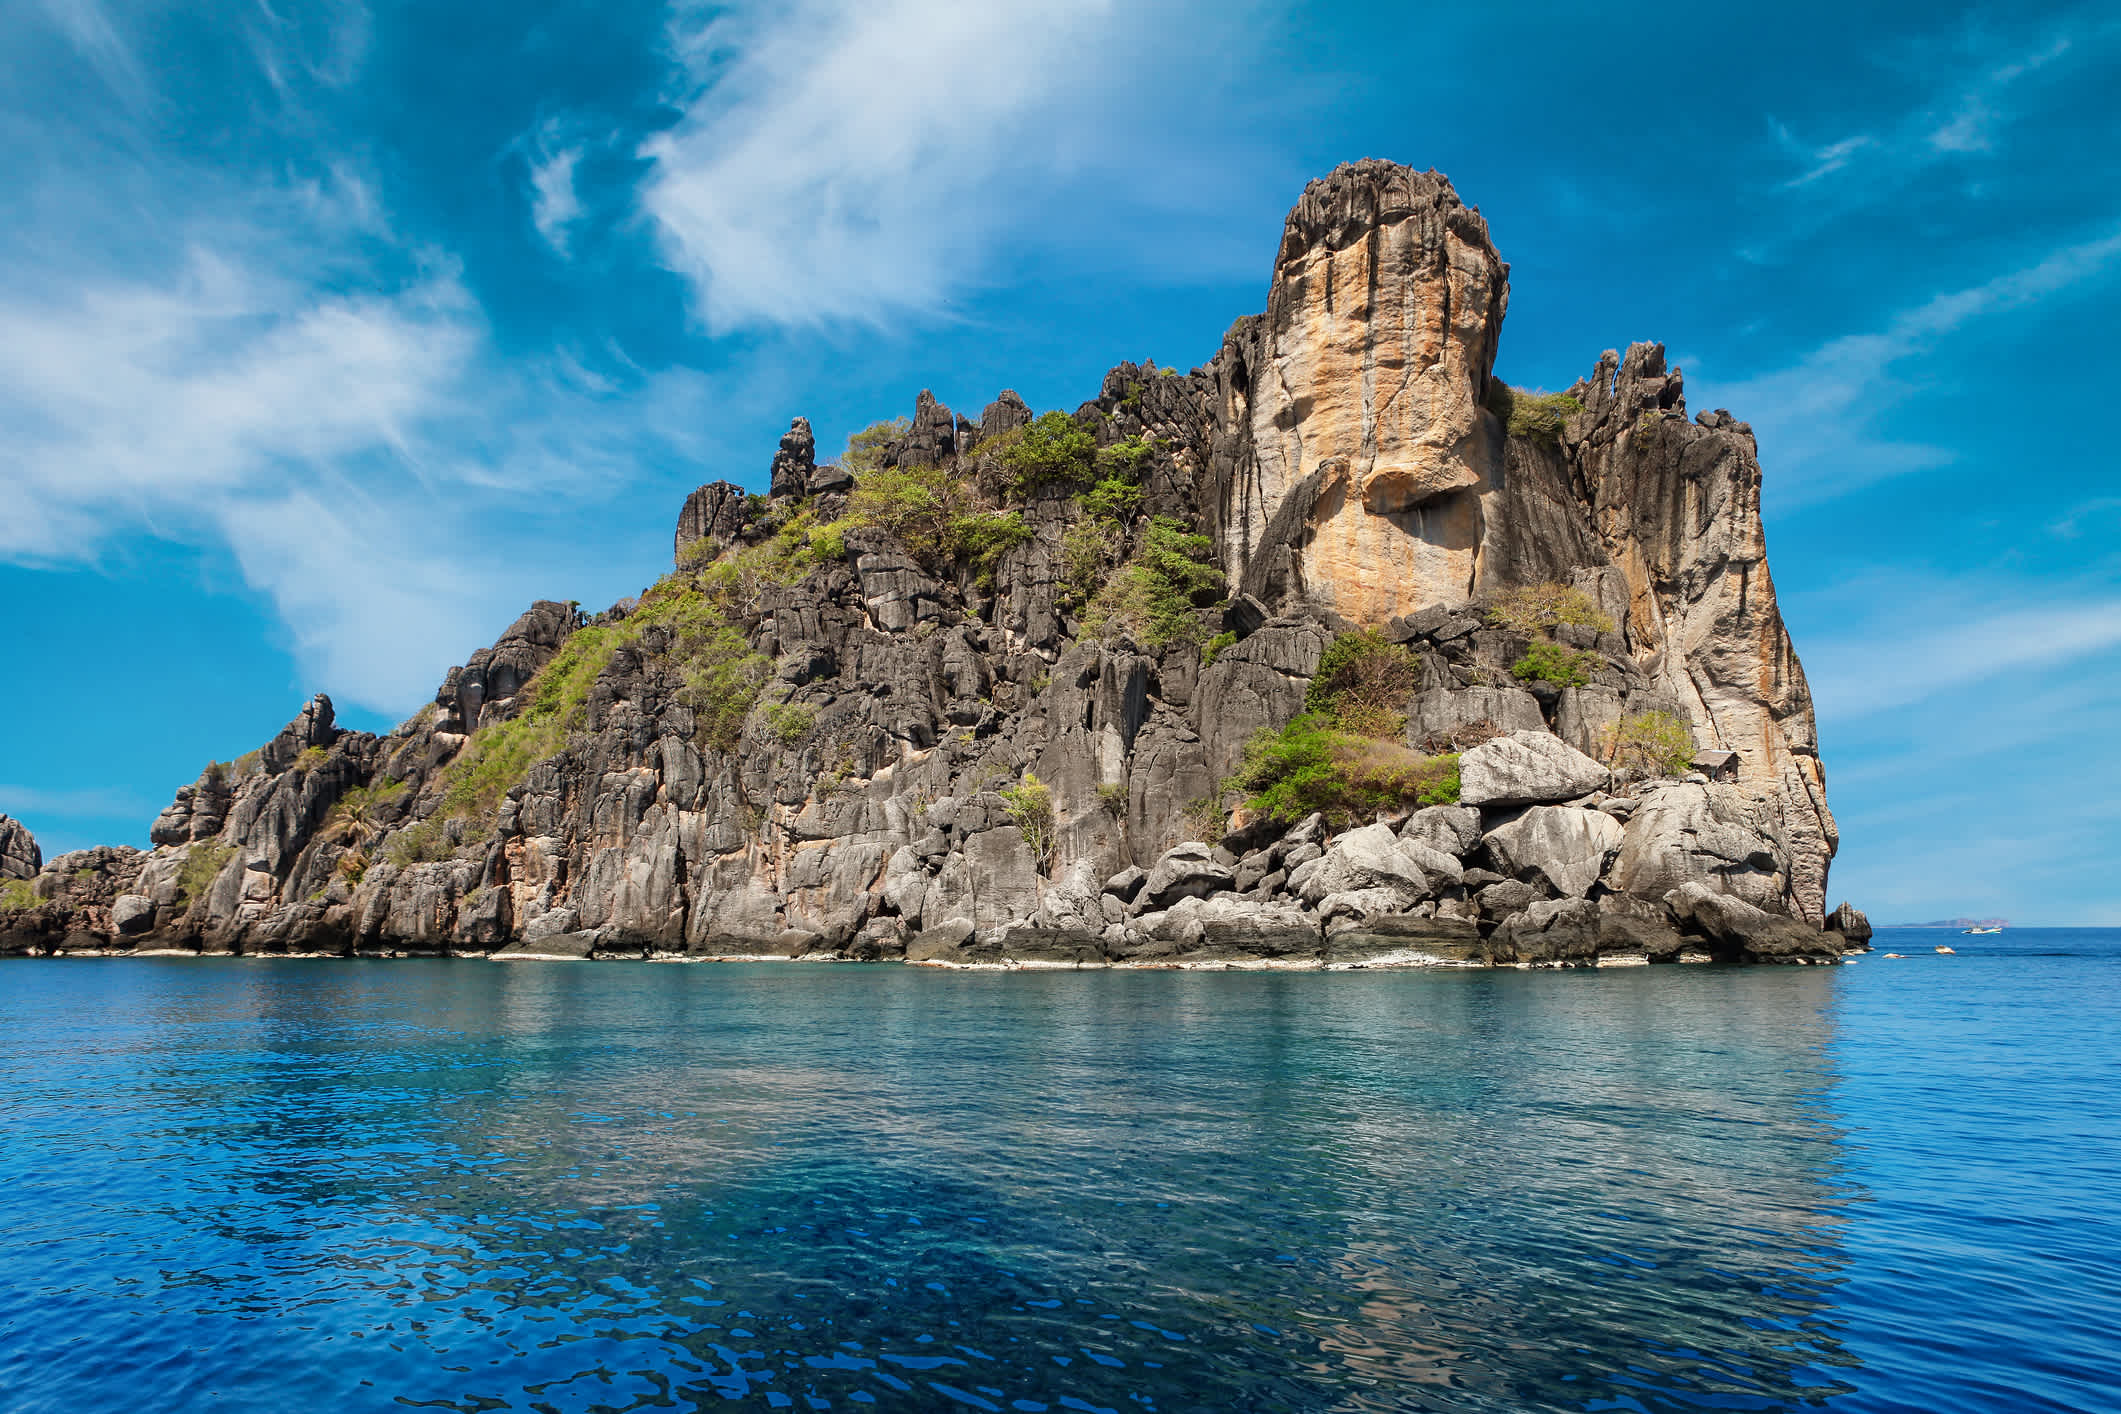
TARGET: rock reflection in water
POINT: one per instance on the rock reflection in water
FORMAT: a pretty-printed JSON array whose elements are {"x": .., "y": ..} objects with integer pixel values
[{"x": 479, "y": 1187}]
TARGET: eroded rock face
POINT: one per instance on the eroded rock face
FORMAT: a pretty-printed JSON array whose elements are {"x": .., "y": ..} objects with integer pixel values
[
  {"x": 1339, "y": 452},
  {"x": 1677, "y": 507},
  {"x": 1564, "y": 847},
  {"x": 19, "y": 856},
  {"x": 1715, "y": 834},
  {"x": 1361, "y": 393}
]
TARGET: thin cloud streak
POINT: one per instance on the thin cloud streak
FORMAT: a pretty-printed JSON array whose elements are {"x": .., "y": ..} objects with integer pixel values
[
  {"x": 1876, "y": 661},
  {"x": 1813, "y": 418},
  {"x": 555, "y": 204},
  {"x": 88, "y": 28}
]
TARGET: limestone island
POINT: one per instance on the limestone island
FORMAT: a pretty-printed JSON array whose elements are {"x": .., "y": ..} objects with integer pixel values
[{"x": 1335, "y": 651}]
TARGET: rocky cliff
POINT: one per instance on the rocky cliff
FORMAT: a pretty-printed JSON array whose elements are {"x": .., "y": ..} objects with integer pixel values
[{"x": 1333, "y": 650}]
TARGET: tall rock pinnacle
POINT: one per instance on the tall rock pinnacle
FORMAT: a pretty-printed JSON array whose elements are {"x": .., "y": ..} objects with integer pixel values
[{"x": 1364, "y": 390}]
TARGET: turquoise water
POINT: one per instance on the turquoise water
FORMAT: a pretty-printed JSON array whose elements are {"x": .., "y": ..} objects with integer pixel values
[{"x": 255, "y": 1185}]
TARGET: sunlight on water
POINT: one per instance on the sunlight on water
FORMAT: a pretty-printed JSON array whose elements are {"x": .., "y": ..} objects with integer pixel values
[{"x": 298, "y": 1185}]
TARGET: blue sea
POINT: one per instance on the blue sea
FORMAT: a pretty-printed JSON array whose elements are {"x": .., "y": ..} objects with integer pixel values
[{"x": 351, "y": 1186}]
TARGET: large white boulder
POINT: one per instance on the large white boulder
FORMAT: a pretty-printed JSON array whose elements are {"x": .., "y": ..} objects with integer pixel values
[
  {"x": 1527, "y": 768},
  {"x": 1566, "y": 846}
]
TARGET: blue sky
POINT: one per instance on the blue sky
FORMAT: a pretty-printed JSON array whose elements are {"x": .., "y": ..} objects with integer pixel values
[{"x": 331, "y": 335}]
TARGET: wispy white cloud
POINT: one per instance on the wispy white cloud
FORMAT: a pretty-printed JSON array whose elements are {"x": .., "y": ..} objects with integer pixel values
[
  {"x": 842, "y": 161},
  {"x": 1964, "y": 721},
  {"x": 1893, "y": 664},
  {"x": 1815, "y": 417},
  {"x": 1966, "y": 115},
  {"x": 2072, "y": 525},
  {"x": 88, "y": 28},
  {"x": 1981, "y": 108},
  {"x": 343, "y": 427},
  {"x": 554, "y": 205},
  {"x": 1821, "y": 161}
]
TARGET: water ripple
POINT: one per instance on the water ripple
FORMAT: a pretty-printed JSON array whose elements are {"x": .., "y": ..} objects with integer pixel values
[{"x": 267, "y": 1186}]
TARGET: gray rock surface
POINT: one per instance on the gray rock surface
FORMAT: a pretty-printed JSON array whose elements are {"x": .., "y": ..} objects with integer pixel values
[
  {"x": 1448, "y": 829},
  {"x": 810, "y": 745},
  {"x": 1854, "y": 928},
  {"x": 19, "y": 856},
  {"x": 1708, "y": 833},
  {"x": 1560, "y": 844},
  {"x": 1740, "y": 932},
  {"x": 1527, "y": 768},
  {"x": 1185, "y": 871}
]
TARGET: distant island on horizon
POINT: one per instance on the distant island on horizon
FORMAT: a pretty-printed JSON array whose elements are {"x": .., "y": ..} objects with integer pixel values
[{"x": 1957, "y": 923}]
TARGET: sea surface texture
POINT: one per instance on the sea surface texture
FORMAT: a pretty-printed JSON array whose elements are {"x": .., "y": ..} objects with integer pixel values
[{"x": 351, "y": 1186}]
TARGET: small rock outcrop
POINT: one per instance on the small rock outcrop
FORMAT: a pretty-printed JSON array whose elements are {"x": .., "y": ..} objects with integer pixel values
[
  {"x": 19, "y": 856},
  {"x": 1002, "y": 722}
]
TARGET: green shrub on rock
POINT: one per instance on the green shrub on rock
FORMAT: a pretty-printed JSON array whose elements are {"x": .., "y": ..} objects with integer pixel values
[
  {"x": 1127, "y": 460},
  {"x": 1313, "y": 765},
  {"x": 203, "y": 863},
  {"x": 919, "y": 506},
  {"x": 1030, "y": 804},
  {"x": 1650, "y": 744},
  {"x": 788, "y": 720},
  {"x": 1541, "y": 608},
  {"x": 1546, "y": 661},
  {"x": 1526, "y": 412},
  {"x": 1054, "y": 452},
  {"x": 1363, "y": 683},
  {"x": 983, "y": 538},
  {"x": 423, "y": 842},
  {"x": 866, "y": 448},
  {"x": 16, "y": 896},
  {"x": 1153, "y": 597},
  {"x": 1114, "y": 500}
]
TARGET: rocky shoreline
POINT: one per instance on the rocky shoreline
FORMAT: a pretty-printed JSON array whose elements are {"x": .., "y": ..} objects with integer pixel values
[{"x": 1333, "y": 652}]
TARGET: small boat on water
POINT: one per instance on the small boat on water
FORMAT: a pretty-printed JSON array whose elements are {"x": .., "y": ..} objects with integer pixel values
[
  {"x": 1984, "y": 930},
  {"x": 1948, "y": 952}
]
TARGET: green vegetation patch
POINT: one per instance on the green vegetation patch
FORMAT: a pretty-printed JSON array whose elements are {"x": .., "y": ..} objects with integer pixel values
[
  {"x": 1030, "y": 804},
  {"x": 1363, "y": 683},
  {"x": 982, "y": 539},
  {"x": 722, "y": 675},
  {"x": 788, "y": 720},
  {"x": 1053, "y": 452},
  {"x": 1153, "y": 597},
  {"x": 1650, "y": 743},
  {"x": 1127, "y": 460},
  {"x": 1115, "y": 499},
  {"x": 422, "y": 843},
  {"x": 1541, "y": 608},
  {"x": 203, "y": 863},
  {"x": 1093, "y": 546},
  {"x": 1526, "y": 412},
  {"x": 1552, "y": 662},
  {"x": 16, "y": 896},
  {"x": 1312, "y": 765},
  {"x": 866, "y": 448}
]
